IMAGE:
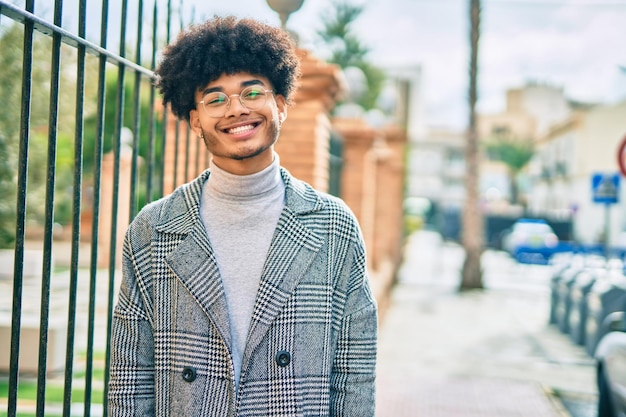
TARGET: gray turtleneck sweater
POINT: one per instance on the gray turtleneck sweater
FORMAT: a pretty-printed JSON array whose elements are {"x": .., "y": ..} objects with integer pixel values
[{"x": 240, "y": 213}]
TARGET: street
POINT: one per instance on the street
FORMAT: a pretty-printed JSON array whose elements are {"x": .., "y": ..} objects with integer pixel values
[{"x": 479, "y": 353}]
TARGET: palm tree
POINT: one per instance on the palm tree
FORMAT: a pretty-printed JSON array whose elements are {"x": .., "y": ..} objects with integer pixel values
[
  {"x": 515, "y": 154},
  {"x": 472, "y": 239},
  {"x": 347, "y": 49}
]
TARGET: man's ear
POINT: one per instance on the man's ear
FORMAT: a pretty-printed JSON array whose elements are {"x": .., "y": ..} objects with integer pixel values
[
  {"x": 281, "y": 104},
  {"x": 194, "y": 122}
]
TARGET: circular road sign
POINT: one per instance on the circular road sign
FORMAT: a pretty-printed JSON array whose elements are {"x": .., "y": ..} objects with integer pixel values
[{"x": 621, "y": 156}]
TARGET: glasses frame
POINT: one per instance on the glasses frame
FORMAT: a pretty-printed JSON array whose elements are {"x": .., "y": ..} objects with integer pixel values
[{"x": 239, "y": 96}]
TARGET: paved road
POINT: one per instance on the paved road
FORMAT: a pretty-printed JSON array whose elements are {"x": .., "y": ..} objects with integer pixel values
[{"x": 481, "y": 353}]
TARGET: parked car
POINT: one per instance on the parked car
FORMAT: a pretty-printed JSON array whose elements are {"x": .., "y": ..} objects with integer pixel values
[
  {"x": 530, "y": 240},
  {"x": 611, "y": 367}
]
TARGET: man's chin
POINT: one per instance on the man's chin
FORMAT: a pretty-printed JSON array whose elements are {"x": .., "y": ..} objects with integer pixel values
[{"x": 251, "y": 153}]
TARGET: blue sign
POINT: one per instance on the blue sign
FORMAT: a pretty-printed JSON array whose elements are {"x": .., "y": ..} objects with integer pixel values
[{"x": 605, "y": 188}]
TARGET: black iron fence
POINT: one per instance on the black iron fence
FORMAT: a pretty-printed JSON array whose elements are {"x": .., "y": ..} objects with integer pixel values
[{"x": 76, "y": 115}]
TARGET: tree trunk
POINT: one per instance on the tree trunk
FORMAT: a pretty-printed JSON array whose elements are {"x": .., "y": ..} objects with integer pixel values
[
  {"x": 514, "y": 189},
  {"x": 472, "y": 238}
]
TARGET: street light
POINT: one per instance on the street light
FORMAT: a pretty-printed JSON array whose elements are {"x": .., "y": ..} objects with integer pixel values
[{"x": 284, "y": 8}]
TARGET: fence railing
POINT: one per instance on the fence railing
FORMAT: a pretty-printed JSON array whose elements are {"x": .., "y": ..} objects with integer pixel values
[{"x": 92, "y": 107}]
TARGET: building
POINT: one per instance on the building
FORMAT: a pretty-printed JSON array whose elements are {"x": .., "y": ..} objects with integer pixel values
[
  {"x": 529, "y": 114},
  {"x": 566, "y": 158}
]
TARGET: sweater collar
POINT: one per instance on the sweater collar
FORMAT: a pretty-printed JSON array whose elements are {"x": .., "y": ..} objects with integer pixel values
[
  {"x": 223, "y": 184},
  {"x": 180, "y": 211}
]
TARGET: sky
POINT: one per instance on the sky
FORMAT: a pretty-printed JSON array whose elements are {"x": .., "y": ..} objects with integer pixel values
[{"x": 575, "y": 45}]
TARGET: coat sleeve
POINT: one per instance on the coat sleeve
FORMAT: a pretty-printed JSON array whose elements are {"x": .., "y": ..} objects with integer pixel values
[
  {"x": 354, "y": 367},
  {"x": 131, "y": 378}
]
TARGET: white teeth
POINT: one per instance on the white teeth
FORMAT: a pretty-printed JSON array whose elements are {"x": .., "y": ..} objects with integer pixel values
[{"x": 241, "y": 129}]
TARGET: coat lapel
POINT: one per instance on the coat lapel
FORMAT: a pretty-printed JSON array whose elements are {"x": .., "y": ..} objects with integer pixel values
[
  {"x": 194, "y": 264},
  {"x": 193, "y": 260},
  {"x": 293, "y": 249}
]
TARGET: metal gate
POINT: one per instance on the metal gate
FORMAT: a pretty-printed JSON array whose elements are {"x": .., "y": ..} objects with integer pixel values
[{"x": 77, "y": 113}]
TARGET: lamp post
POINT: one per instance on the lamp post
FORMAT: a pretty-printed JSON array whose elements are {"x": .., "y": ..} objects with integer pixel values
[{"x": 284, "y": 8}]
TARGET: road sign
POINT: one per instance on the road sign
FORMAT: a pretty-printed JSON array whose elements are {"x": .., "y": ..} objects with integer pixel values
[
  {"x": 605, "y": 188},
  {"x": 621, "y": 154}
]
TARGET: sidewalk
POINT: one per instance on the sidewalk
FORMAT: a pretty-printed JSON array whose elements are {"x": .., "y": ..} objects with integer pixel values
[{"x": 483, "y": 353}]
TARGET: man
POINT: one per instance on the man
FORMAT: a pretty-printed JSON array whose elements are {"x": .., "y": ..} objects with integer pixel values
[{"x": 245, "y": 292}]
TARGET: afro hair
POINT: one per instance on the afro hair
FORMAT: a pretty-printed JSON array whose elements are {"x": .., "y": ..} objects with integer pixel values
[{"x": 225, "y": 45}]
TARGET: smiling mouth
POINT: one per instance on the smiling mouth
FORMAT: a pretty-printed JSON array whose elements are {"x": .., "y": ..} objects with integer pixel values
[{"x": 241, "y": 129}]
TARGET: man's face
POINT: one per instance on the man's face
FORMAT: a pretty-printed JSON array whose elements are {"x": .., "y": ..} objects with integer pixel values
[{"x": 240, "y": 140}]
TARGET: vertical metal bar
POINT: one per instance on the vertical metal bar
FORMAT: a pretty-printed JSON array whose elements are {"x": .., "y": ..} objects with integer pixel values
[
  {"x": 163, "y": 148},
  {"x": 177, "y": 122},
  {"x": 97, "y": 173},
  {"x": 187, "y": 143},
  {"x": 181, "y": 25},
  {"x": 76, "y": 209},
  {"x": 198, "y": 147},
  {"x": 152, "y": 126},
  {"x": 176, "y": 146},
  {"x": 180, "y": 15},
  {"x": 119, "y": 122},
  {"x": 165, "y": 111},
  {"x": 607, "y": 230},
  {"x": 49, "y": 209},
  {"x": 136, "y": 115},
  {"x": 22, "y": 180}
]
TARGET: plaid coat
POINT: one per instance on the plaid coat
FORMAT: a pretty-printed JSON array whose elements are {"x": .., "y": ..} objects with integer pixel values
[{"x": 311, "y": 347}]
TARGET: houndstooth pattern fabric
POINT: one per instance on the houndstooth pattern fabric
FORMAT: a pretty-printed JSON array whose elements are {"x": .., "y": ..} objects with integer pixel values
[{"x": 170, "y": 335}]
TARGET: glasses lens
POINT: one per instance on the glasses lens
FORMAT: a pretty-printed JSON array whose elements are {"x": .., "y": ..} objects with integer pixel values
[
  {"x": 253, "y": 97},
  {"x": 215, "y": 103}
]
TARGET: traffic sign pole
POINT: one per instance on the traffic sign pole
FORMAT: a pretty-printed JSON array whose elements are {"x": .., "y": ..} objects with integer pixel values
[
  {"x": 605, "y": 190},
  {"x": 607, "y": 229}
]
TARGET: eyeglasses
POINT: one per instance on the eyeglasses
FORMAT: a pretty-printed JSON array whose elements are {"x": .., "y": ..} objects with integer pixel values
[{"x": 216, "y": 103}]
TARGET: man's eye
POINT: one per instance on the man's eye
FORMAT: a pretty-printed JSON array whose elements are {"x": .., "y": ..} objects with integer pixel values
[
  {"x": 215, "y": 100},
  {"x": 253, "y": 94}
]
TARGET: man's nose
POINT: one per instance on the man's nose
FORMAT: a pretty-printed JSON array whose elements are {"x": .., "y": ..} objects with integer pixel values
[{"x": 236, "y": 106}]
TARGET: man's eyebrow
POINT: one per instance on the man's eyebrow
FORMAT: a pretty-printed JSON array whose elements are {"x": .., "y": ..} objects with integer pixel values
[
  {"x": 252, "y": 82},
  {"x": 244, "y": 84}
]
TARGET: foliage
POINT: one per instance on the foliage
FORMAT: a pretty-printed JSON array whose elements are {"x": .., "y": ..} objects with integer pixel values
[
  {"x": 513, "y": 152},
  {"x": 109, "y": 127},
  {"x": 9, "y": 132},
  {"x": 7, "y": 204},
  {"x": 347, "y": 50},
  {"x": 11, "y": 50}
]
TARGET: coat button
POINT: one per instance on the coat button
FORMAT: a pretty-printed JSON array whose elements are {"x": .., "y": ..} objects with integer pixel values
[
  {"x": 189, "y": 374},
  {"x": 283, "y": 358}
]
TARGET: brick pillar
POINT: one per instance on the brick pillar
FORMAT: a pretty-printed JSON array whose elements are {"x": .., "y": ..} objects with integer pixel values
[
  {"x": 373, "y": 186},
  {"x": 358, "y": 178},
  {"x": 390, "y": 198},
  {"x": 303, "y": 145}
]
